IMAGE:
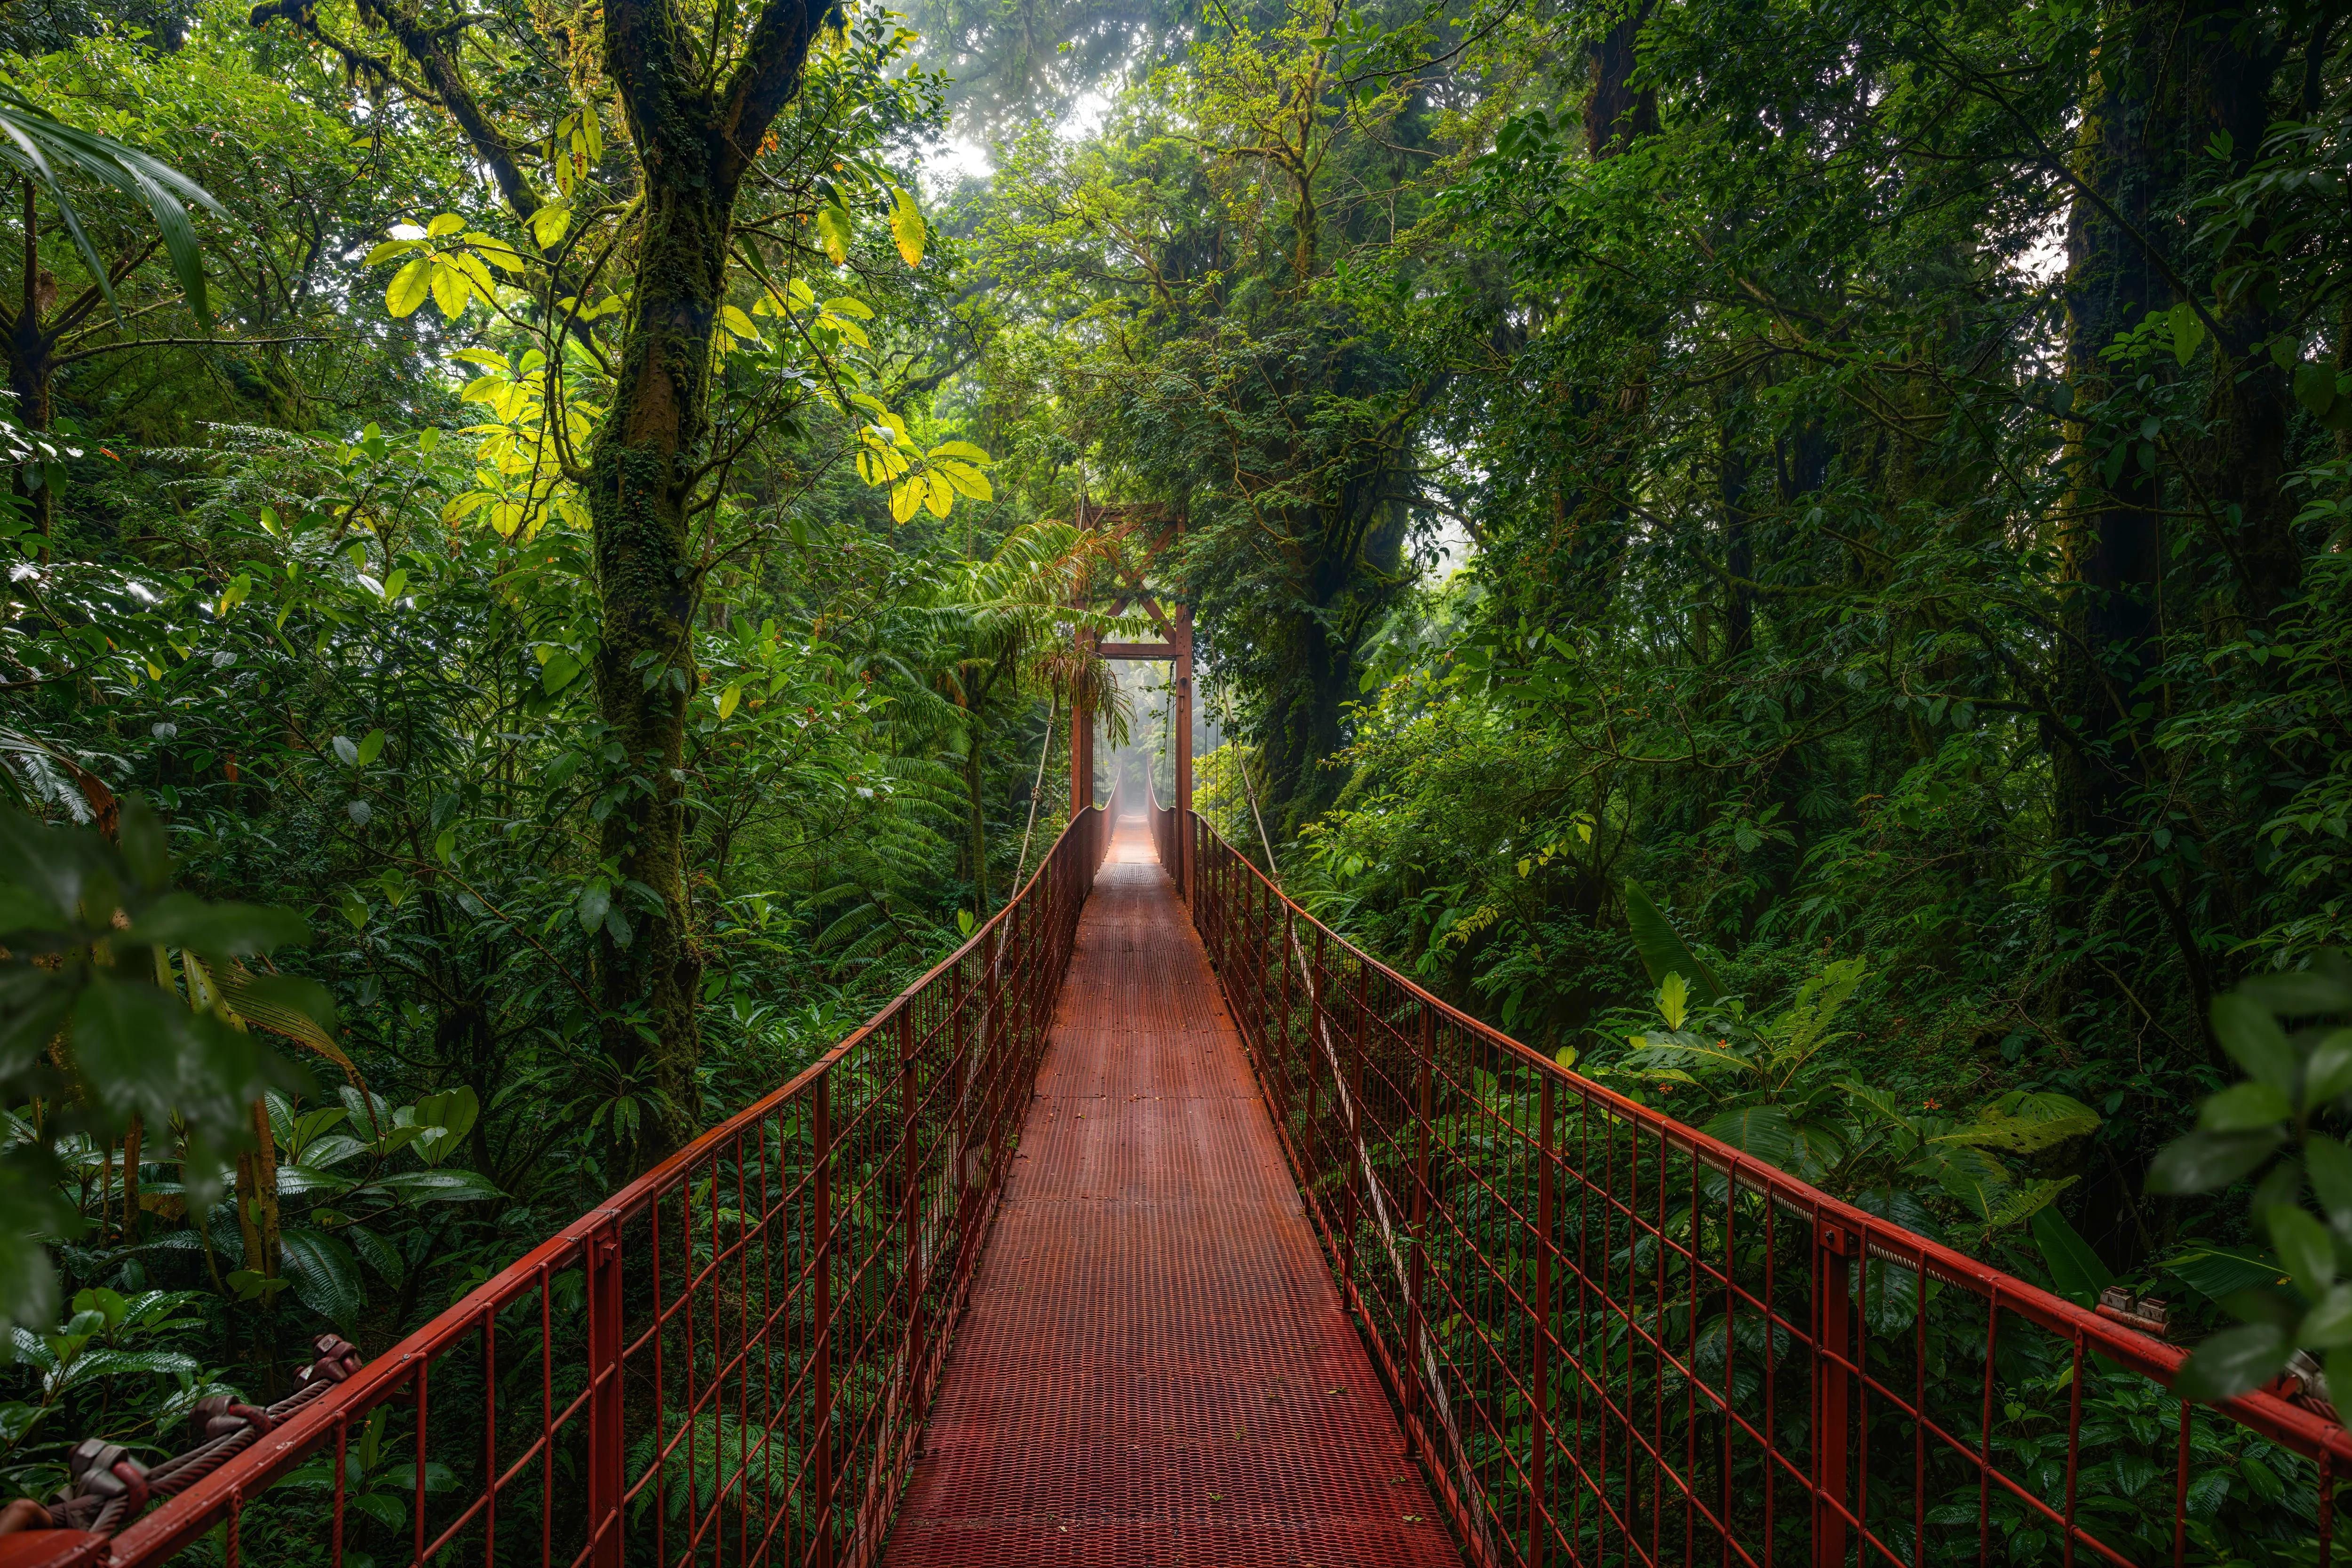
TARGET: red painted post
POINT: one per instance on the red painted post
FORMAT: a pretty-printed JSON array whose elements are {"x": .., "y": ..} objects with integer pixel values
[
  {"x": 1833, "y": 1392},
  {"x": 821, "y": 1378},
  {"x": 1539, "y": 1459},
  {"x": 606, "y": 1475},
  {"x": 1424, "y": 1092},
  {"x": 914, "y": 1207}
]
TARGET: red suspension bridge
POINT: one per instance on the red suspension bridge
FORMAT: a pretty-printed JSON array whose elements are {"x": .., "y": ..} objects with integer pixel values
[{"x": 1159, "y": 1225}]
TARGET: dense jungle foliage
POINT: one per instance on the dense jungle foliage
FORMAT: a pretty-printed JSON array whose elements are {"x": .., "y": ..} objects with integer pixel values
[{"x": 1791, "y": 553}]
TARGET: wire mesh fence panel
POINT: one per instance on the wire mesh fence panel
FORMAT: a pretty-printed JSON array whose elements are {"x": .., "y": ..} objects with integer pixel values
[
  {"x": 726, "y": 1365},
  {"x": 1615, "y": 1340}
]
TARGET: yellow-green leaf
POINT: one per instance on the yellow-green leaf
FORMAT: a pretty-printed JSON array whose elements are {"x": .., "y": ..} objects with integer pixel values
[
  {"x": 409, "y": 287},
  {"x": 907, "y": 227},
  {"x": 963, "y": 450},
  {"x": 446, "y": 224},
  {"x": 495, "y": 251},
  {"x": 905, "y": 498},
  {"x": 938, "y": 494},
  {"x": 486, "y": 357},
  {"x": 549, "y": 223},
  {"x": 832, "y": 231},
  {"x": 845, "y": 306},
  {"x": 729, "y": 698},
  {"x": 451, "y": 288},
  {"x": 737, "y": 322},
  {"x": 388, "y": 249},
  {"x": 967, "y": 480},
  {"x": 466, "y": 261}
]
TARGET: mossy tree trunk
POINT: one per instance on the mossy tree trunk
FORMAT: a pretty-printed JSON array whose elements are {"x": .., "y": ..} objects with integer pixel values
[
  {"x": 695, "y": 141},
  {"x": 2110, "y": 532}
]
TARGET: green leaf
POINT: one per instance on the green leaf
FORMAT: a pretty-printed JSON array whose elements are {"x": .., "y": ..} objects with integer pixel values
[
  {"x": 439, "y": 1187},
  {"x": 371, "y": 747},
  {"x": 42, "y": 143},
  {"x": 1761, "y": 1132},
  {"x": 1674, "y": 994},
  {"x": 2203, "y": 1162},
  {"x": 2305, "y": 1249},
  {"x": 2235, "y": 1362},
  {"x": 376, "y": 1253},
  {"x": 2244, "y": 1106},
  {"x": 2218, "y": 1273},
  {"x": 33, "y": 1007},
  {"x": 1877, "y": 1100},
  {"x": 145, "y": 848},
  {"x": 53, "y": 862},
  {"x": 1975, "y": 1180},
  {"x": 326, "y": 1277},
  {"x": 2315, "y": 387},
  {"x": 2302, "y": 992},
  {"x": 182, "y": 919},
  {"x": 24, "y": 910},
  {"x": 2188, "y": 332},
  {"x": 1663, "y": 950},
  {"x": 2327, "y": 1077},
  {"x": 2329, "y": 1165},
  {"x": 2025, "y": 1123},
  {"x": 2254, "y": 1040},
  {"x": 560, "y": 672},
  {"x": 2328, "y": 1324},
  {"x": 2074, "y": 1268},
  {"x": 596, "y": 899},
  {"x": 451, "y": 1115}
]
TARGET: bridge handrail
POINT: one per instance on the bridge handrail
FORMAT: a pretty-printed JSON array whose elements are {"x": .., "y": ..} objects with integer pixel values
[
  {"x": 1362, "y": 1148},
  {"x": 968, "y": 1034}
]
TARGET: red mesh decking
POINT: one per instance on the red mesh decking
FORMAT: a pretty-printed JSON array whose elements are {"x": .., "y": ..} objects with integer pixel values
[{"x": 1155, "y": 1367}]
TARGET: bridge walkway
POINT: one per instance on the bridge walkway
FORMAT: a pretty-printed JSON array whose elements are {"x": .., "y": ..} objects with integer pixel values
[{"x": 1155, "y": 1367}]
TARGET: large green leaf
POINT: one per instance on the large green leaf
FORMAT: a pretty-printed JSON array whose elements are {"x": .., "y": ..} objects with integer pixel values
[
  {"x": 1663, "y": 950},
  {"x": 326, "y": 1276},
  {"x": 2235, "y": 1361},
  {"x": 179, "y": 920},
  {"x": 2218, "y": 1273},
  {"x": 448, "y": 1117},
  {"x": 1761, "y": 1131},
  {"x": 2202, "y": 1161},
  {"x": 1877, "y": 1100},
  {"x": 39, "y": 145},
  {"x": 2074, "y": 1268},
  {"x": 439, "y": 1187},
  {"x": 2254, "y": 1040},
  {"x": 2024, "y": 1123}
]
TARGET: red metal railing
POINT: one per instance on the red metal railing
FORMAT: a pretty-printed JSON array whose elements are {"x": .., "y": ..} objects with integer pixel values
[
  {"x": 728, "y": 1362},
  {"x": 1615, "y": 1340},
  {"x": 1167, "y": 840}
]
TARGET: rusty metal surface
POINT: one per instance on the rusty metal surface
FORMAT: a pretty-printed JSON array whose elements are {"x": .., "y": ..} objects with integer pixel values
[{"x": 1155, "y": 1367}]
